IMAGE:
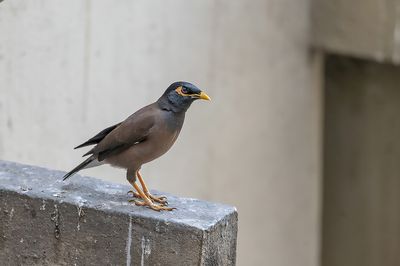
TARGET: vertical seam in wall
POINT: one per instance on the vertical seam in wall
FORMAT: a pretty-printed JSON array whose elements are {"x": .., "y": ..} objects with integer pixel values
[
  {"x": 86, "y": 61},
  {"x": 2, "y": 96},
  {"x": 319, "y": 70},
  {"x": 396, "y": 34},
  {"x": 9, "y": 85},
  {"x": 2, "y": 127},
  {"x": 212, "y": 80}
]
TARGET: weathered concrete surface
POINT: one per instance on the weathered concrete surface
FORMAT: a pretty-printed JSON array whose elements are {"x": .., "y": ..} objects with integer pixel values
[
  {"x": 361, "y": 28},
  {"x": 85, "y": 221}
]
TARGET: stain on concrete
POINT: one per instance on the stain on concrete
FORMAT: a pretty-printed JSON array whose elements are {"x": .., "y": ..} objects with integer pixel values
[
  {"x": 55, "y": 218},
  {"x": 129, "y": 243}
]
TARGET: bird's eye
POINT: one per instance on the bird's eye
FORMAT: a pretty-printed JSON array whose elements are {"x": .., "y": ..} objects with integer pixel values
[{"x": 184, "y": 90}]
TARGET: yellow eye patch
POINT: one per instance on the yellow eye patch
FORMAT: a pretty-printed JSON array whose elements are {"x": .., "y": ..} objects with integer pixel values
[
  {"x": 179, "y": 91},
  {"x": 200, "y": 95}
]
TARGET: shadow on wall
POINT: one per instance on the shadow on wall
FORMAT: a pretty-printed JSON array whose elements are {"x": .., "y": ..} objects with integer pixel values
[{"x": 361, "y": 217}]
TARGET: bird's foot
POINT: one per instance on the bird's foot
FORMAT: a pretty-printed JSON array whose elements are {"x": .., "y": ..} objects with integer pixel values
[
  {"x": 151, "y": 205},
  {"x": 134, "y": 194},
  {"x": 162, "y": 199}
]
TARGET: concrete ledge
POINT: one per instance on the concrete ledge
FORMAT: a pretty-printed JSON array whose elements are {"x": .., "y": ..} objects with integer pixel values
[{"x": 86, "y": 221}]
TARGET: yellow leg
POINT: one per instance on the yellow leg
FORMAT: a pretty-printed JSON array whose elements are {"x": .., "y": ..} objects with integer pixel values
[
  {"x": 162, "y": 199},
  {"x": 147, "y": 202}
]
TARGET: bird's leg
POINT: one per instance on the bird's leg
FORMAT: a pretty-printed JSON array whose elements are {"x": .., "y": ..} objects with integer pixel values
[
  {"x": 162, "y": 199},
  {"x": 147, "y": 202}
]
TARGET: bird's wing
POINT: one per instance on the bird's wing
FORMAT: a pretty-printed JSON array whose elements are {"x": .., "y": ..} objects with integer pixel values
[
  {"x": 133, "y": 130},
  {"x": 99, "y": 137}
]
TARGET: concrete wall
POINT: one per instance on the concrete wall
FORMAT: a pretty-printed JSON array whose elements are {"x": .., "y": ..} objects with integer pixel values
[
  {"x": 361, "y": 189},
  {"x": 361, "y": 217},
  {"x": 362, "y": 28},
  {"x": 69, "y": 69}
]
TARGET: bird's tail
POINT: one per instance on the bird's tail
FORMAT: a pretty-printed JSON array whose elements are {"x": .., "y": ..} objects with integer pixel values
[{"x": 81, "y": 166}]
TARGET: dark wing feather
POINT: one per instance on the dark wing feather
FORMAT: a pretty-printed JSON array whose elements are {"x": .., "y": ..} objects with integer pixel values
[
  {"x": 130, "y": 132},
  {"x": 99, "y": 137}
]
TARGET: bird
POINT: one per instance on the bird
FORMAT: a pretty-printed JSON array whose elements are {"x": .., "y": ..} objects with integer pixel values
[{"x": 142, "y": 137}]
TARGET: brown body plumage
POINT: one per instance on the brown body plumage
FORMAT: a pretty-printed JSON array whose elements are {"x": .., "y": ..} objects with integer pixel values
[{"x": 158, "y": 138}]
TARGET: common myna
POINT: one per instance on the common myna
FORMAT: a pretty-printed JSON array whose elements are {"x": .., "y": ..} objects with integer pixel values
[{"x": 141, "y": 138}]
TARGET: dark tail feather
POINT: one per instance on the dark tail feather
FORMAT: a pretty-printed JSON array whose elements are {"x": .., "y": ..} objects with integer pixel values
[{"x": 79, "y": 167}]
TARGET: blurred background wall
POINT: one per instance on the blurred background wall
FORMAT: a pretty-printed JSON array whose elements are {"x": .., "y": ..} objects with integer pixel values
[
  {"x": 361, "y": 184},
  {"x": 71, "y": 68},
  {"x": 285, "y": 87},
  {"x": 361, "y": 217}
]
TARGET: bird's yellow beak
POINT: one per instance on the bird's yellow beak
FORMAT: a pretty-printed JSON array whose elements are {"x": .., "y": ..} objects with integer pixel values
[{"x": 204, "y": 96}]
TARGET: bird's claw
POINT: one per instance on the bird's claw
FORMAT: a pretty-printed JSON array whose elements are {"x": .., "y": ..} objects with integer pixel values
[
  {"x": 151, "y": 205},
  {"x": 162, "y": 199},
  {"x": 134, "y": 193}
]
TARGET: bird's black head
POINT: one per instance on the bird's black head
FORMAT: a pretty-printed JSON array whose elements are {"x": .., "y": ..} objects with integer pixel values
[{"x": 180, "y": 95}]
